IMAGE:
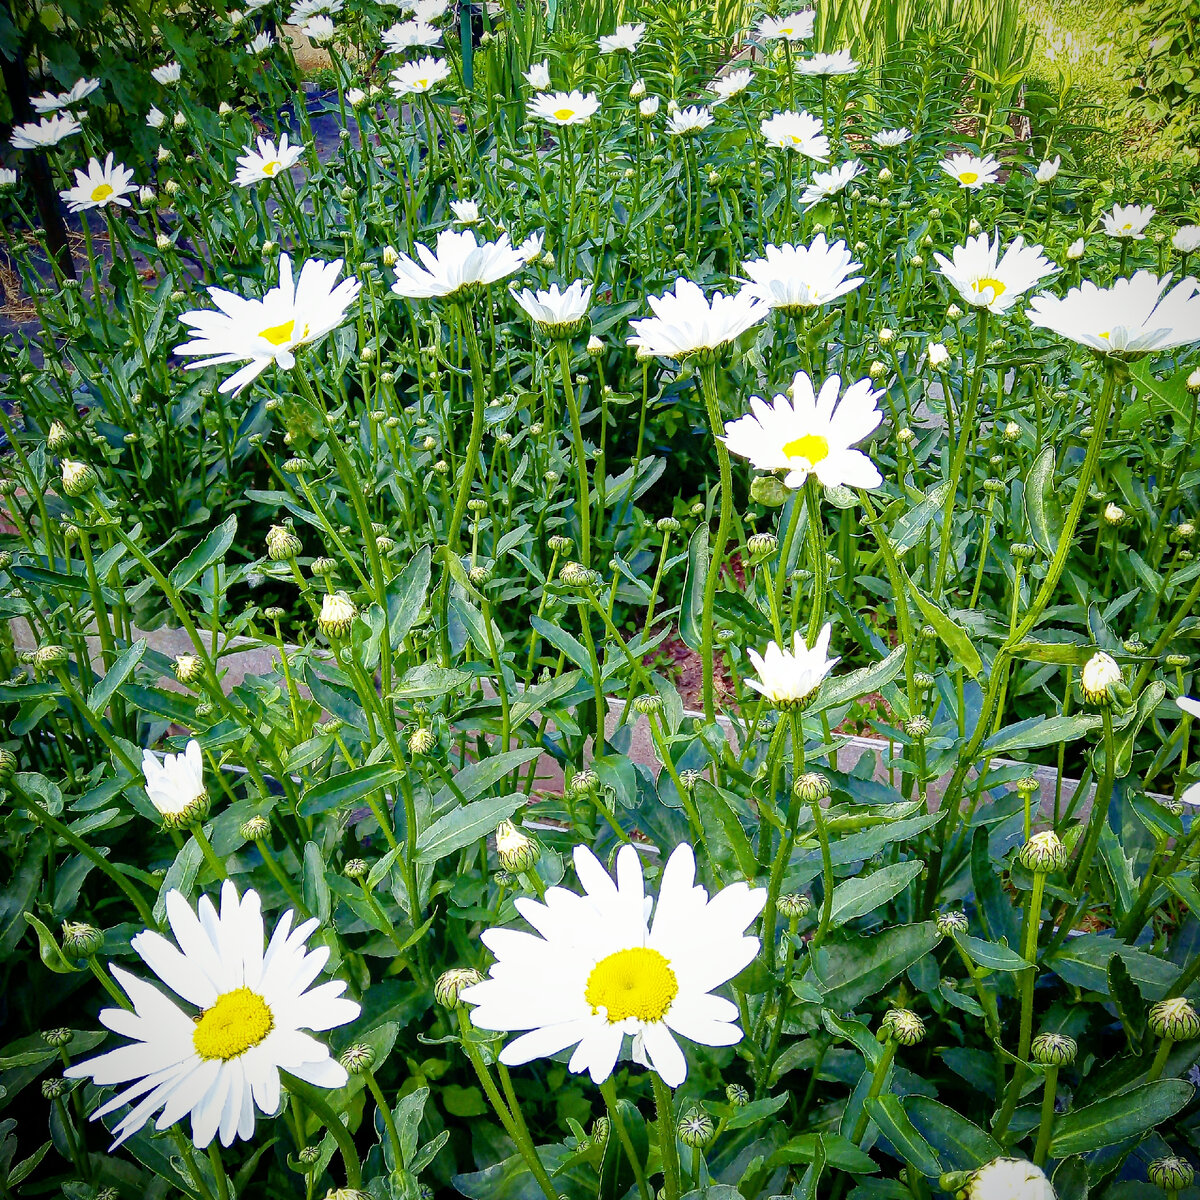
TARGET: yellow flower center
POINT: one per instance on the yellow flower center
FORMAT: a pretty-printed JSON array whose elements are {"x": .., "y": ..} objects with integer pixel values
[
  {"x": 563, "y": 114},
  {"x": 1127, "y": 226},
  {"x": 998, "y": 288},
  {"x": 794, "y": 138},
  {"x": 632, "y": 983},
  {"x": 422, "y": 83},
  {"x": 278, "y": 334},
  {"x": 968, "y": 176},
  {"x": 786, "y": 30},
  {"x": 812, "y": 447},
  {"x": 236, "y": 1023},
  {"x": 269, "y": 168},
  {"x": 101, "y": 192},
  {"x": 1106, "y": 334}
]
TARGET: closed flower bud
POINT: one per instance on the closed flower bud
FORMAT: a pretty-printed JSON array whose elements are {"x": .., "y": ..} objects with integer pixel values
[
  {"x": 954, "y": 312},
  {"x": 923, "y": 680},
  {"x": 421, "y": 741},
  {"x": 77, "y": 478},
  {"x": 54, "y": 1088},
  {"x": 516, "y": 851},
  {"x": 58, "y": 437},
  {"x": 1114, "y": 514},
  {"x": 188, "y": 669},
  {"x": 1100, "y": 675},
  {"x": 480, "y": 575},
  {"x": 690, "y": 778},
  {"x": 1172, "y": 1174},
  {"x": 648, "y": 704},
  {"x": 309, "y": 1156},
  {"x": 974, "y": 226},
  {"x": 696, "y": 1129},
  {"x": 1193, "y": 382},
  {"x": 57, "y": 1038},
  {"x": 255, "y": 829},
  {"x": 1008, "y": 1179},
  {"x": 1053, "y": 1050},
  {"x": 762, "y": 544},
  {"x": 995, "y": 487},
  {"x": 600, "y": 1129},
  {"x": 885, "y": 175},
  {"x": 938, "y": 354},
  {"x": 1028, "y": 785},
  {"x": 80, "y": 940},
  {"x": 283, "y": 545},
  {"x": 1023, "y": 551},
  {"x": 8, "y": 765},
  {"x": 737, "y": 1095},
  {"x": 560, "y": 543},
  {"x": 902, "y": 1025},
  {"x": 451, "y": 984},
  {"x": 1043, "y": 854},
  {"x": 1177, "y": 662},
  {"x": 918, "y": 726},
  {"x": 583, "y": 781},
  {"x": 1174, "y": 1019},
  {"x": 337, "y": 614},
  {"x": 576, "y": 575},
  {"x": 794, "y": 905},
  {"x": 357, "y": 869},
  {"x": 1184, "y": 531},
  {"x": 358, "y": 1058},
  {"x": 50, "y": 656},
  {"x": 812, "y": 787},
  {"x": 877, "y": 370},
  {"x": 667, "y": 525},
  {"x": 952, "y": 922},
  {"x": 917, "y": 260}
]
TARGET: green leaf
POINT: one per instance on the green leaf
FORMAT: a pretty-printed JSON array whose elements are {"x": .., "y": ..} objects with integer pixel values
[
  {"x": 350, "y": 786},
  {"x": 727, "y": 843},
  {"x": 208, "y": 552},
  {"x": 843, "y": 689},
  {"x": 997, "y": 910},
  {"x": 757, "y": 1110},
  {"x": 855, "y": 966},
  {"x": 996, "y": 956},
  {"x": 1043, "y": 512},
  {"x": 462, "y": 826},
  {"x": 1041, "y": 731},
  {"x": 949, "y": 632},
  {"x": 475, "y": 778},
  {"x": 406, "y": 595},
  {"x": 1131, "y": 1008},
  {"x": 962, "y": 1145},
  {"x": 121, "y": 669},
  {"x": 911, "y": 526},
  {"x": 866, "y": 893},
  {"x": 888, "y": 1113},
  {"x": 18, "y": 897},
  {"x": 692, "y": 605},
  {"x": 1083, "y": 961},
  {"x": 1125, "y": 1115},
  {"x": 564, "y": 643}
]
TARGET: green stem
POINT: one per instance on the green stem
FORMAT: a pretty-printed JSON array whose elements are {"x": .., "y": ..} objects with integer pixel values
[
  {"x": 668, "y": 1149},
  {"x": 1042, "y": 1151},
  {"x": 878, "y": 1076},
  {"x": 708, "y": 381},
  {"x": 608, "y": 1089}
]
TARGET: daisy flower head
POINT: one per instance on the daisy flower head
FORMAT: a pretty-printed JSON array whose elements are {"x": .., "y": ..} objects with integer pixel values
[
  {"x": 460, "y": 265},
  {"x": 175, "y": 785},
  {"x": 156, "y": 118},
  {"x": 837, "y": 63},
  {"x": 1008, "y": 1179},
  {"x": 686, "y": 324},
  {"x": 79, "y": 91},
  {"x": 466, "y": 212},
  {"x": 793, "y": 28},
  {"x": 318, "y": 29},
  {"x": 811, "y": 433},
  {"x": 889, "y": 139},
  {"x": 970, "y": 170},
  {"x": 790, "y": 678},
  {"x": 530, "y": 250},
  {"x": 167, "y": 74},
  {"x": 1075, "y": 250},
  {"x": 99, "y": 186},
  {"x": 1186, "y": 239},
  {"x": 564, "y": 108},
  {"x": 556, "y": 313},
  {"x": 625, "y": 39},
  {"x": 305, "y": 10},
  {"x": 984, "y": 279},
  {"x": 1127, "y": 221},
  {"x": 648, "y": 107},
  {"x": 726, "y": 87},
  {"x": 828, "y": 183},
  {"x": 416, "y": 78},
  {"x": 793, "y": 278},
  {"x": 260, "y": 43},
  {"x": 8, "y": 179},
  {"x": 268, "y": 161},
  {"x": 1048, "y": 169},
  {"x": 251, "y": 1005},
  {"x": 599, "y": 968},
  {"x": 429, "y": 11},
  {"x": 688, "y": 121},
  {"x": 798, "y": 131},
  {"x": 49, "y": 131},
  {"x": 538, "y": 76},
  {"x": 408, "y": 35},
  {"x": 1132, "y": 316},
  {"x": 260, "y": 332}
]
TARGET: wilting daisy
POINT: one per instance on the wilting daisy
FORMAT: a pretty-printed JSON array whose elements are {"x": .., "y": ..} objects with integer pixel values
[
  {"x": 557, "y": 313},
  {"x": 1133, "y": 316},
  {"x": 564, "y": 108},
  {"x": 970, "y": 170},
  {"x": 985, "y": 280},
  {"x": 625, "y": 38},
  {"x": 49, "y": 131},
  {"x": 49, "y": 102},
  {"x": 267, "y": 161},
  {"x": 318, "y": 29},
  {"x": 811, "y": 434},
  {"x": 689, "y": 120},
  {"x": 890, "y": 138},
  {"x": 167, "y": 74},
  {"x": 100, "y": 185},
  {"x": 252, "y": 1007},
  {"x": 538, "y": 76},
  {"x": 1127, "y": 221},
  {"x": 799, "y": 131},
  {"x": 260, "y": 332},
  {"x": 418, "y": 77},
  {"x": 599, "y": 969},
  {"x": 794, "y": 28},
  {"x": 837, "y": 63},
  {"x": 1186, "y": 239},
  {"x": 792, "y": 278},
  {"x": 175, "y": 785},
  {"x": 260, "y": 43},
  {"x": 409, "y": 34},
  {"x": 790, "y": 678},
  {"x": 728, "y": 86},
  {"x": 466, "y": 212},
  {"x": 1048, "y": 169},
  {"x": 828, "y": 183},
  {"x": 686, "y": 323},
  {"x": 461, "y": 263}
]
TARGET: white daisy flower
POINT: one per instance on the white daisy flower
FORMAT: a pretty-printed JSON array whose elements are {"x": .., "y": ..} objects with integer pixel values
[
  {"x": 1127, "y": 221},
  {"x": 811, "y": 434},
  {"x": 1048, "y": 169},
  {"x": 1186, "y": 239},
  {"x": 837, "y": 63},
  {"x": 689, "y": 121},
  {"x": 100, "y": 186},
  {"x": 428, "y": 11},
  {"x": 305, "y": 10},
  {"x": 538, "y": 76},
  {"x": 939, "y": 356},
  {"x": 1188, "y": 705},
  {"x": 409, "y": 34},
  {"x": 793, "y": 28},
  {"x": 564, "y": 108},
  {"x": 791, "y": 278},
  {"x": 49, "y": 102},
  {"x": 49, "y": 131},
  {"x": 686, "y": 323},
  {"x": 985, "y": 280},
  {"x": 828, "y": 183},
  {"x": 557, "y": 312},
  {"x": 175, "y": 784},
  {"x": 1009, "y": 1179},
  {"x": 727, "y": 86},
  {"x": 890, "y": 138},
  {"x": 598, "y": 969},
  {"x": 253, "y": 1007},
  {"x": 798, "y": 131},
  {"x": 167, "y": 74},
  {"x": 1133, "y": 316},
  {"x": 466, "y": 212},
  {"x": 790, "y": 678},
  {"x": 319, "y": 29},
  {"x": 260, "y": 44},
  {"x": 970, "y": 170},
  {"x": 260, "y": 332},
  {"x": 1075, "y": 250},
  {"x": 156, "y": 118},
  {"x": 625, "y": 38},
  {"x": 649, "y": 106},
  {"x": 268, "y": 161},
  {"x": 460, "y": 263},
  {"x": 8, "y": 179},
  {"x": 416, "y": 78},
  {"x": 531, "y": 248}
]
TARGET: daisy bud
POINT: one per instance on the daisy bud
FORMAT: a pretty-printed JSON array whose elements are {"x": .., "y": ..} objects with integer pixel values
[
  {"x": 975, "y": 226},
  {"x": 1012, "y": 431},
  {"x": 648, "y": 704},
  {"x": 57, "y": 1037},
  {"x": 595, "y": 346},
  {"x": 188, "y": 668},
  {"x": 918, "y": 726},
  {"x": 1099, "y": 678},
  {"x": 1174, "y": 1019},
  {"x": 886, "y": 336},
  {"x": 1053, "y": 1050},
  {"x": 224, "y": 109},
  {"x": 1043, "y": 854},
  {"x": 812, "y": 787},
  {"x": 421, "y": 741},
  {"x": 1193, "y": 382},
  {"x": 179, "y": 120},
  {"x": 1075, "y": 250},
  {"x": 255, "y": 829},
  {"x": 515, "y": 850},
  {"x": 583, "y": 781},
  {"x": 938, "y": 354},
  {"x": 356, "y": 870},
  {"x": 8, "y": 765},
  {"x": 600, "y": 1129},
  {"x": 794, "y": 905},
  {"x": 917, "y": 260},
  {"x": 576, "y": 575},
  {"x": 877, "y": 370},
  {"x": 637, "y": 89},
  {"x": 1172, "y": 1173},
  {"x": 451, "y": 984},
  {"x": 902, "y": 1025},
  {"x": 1177, "y": 661},
  {"x": 667, "y": 525},
  {"x": 1021, "y": 551},
  {"x": 1008, "y": 1177},
  {"x": 347, "y": 1193},
  {"x": 690, "y": 778},
  {"x": 80, "y": 940},
  {"x": 58, "y": 437},
  {"x": 954, "y": 312},
  {"x": 54, "y": 1088},
  {"x": 50, "y": 656},
  {"x": 737, "y": 1095},
  {"x": 1114, "y": 515},
  {"x": 952, "y": 922},
  {"x": 356, "y": 96},
  {"x": 1184, "y": 531},
  {"x": 885, "y": 175},
  {"x": 77, "y": 478},
  {"x": 337, "y": 614},
  {"x": 480, "y": 575},
  {"x": 1028, "y": 785},
  {"x": 358, "y": 1058},
  {"x": 696, "y": 1129},
  {"x": 547, "y": 258}
]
